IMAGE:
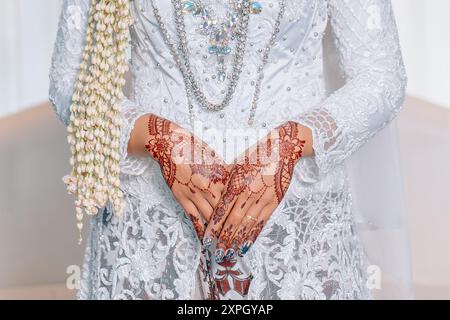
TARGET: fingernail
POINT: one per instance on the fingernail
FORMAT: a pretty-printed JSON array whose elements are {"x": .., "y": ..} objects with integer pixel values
[
  {"x": 229, "y": 254},
  {"x": 219, "y": 255},
  {"x": 244, "y": 248},
  {"x": 207, "y": 242}
]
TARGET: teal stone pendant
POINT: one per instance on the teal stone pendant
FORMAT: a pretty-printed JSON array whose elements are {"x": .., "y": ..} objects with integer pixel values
[
  {"x": 188, "y": 7},
  {"x": 255, "y": 7}
]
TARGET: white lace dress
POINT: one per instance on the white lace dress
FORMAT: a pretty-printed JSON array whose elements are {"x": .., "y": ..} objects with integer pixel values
[{"x": 309, "y": 249}]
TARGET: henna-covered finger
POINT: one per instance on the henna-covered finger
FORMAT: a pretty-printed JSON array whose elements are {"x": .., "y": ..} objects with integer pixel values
[
  {"x": 242, "y": 233},
  {"x": 251, "y": 237},
  {"x": 222, "y": 252},
  {"x": 246, "y": 239},
  {"x": 203, "y": 206},
  {"x": 220, "y": 214},
  {"x": 257, "y": 227},
  {"x": 268, "y": 211},
  {"x": 246, "y": 216},
  {"x": 211, "y": 197},
  {"x": 232, "y": 223},
  {"x": 243, "y": 204},
  {"x": 196, "y": 218}
]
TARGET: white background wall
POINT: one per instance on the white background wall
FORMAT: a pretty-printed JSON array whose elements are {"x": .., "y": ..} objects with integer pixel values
[
  {"x": 424, "y": 27},
  {"x": 27, "y": 33}
]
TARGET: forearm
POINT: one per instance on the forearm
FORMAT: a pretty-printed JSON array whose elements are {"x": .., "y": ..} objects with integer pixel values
[
  {"x": 160, "y": 138},
  {"x": 139, "y": 137},
  {"x": 156, "y": 131},
  {"x": 299, "y": 134}
]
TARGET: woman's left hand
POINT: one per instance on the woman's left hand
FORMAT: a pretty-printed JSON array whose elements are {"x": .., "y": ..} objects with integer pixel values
[{"x": 257, "y": 184}]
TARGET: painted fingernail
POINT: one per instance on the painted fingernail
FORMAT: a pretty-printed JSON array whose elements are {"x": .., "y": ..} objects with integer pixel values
[
  {"x": 219, "y": 255},
  {"x": 207, "y": 242},
  {"x": 229, "y": 254},
  {"x": 244, "y": 248}
]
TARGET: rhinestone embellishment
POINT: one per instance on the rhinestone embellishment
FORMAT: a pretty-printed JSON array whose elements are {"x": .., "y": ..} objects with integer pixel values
[{"x": 220, "y": 34}]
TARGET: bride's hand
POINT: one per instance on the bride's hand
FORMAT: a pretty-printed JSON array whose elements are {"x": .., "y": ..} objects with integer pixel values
[
  {"x": 192, "y": 170},
  {"x": 258, "y": 183}
]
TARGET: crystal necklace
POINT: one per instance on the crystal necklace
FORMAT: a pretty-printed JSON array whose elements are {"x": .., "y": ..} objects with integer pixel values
[
  {"x": 180, "y": 53},
  {"x": 242, "y": 27},
  {"x": 219, "y": 32}
]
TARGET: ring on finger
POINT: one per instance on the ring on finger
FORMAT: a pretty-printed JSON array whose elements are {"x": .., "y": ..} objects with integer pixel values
[{"x": 249, "y": 217}]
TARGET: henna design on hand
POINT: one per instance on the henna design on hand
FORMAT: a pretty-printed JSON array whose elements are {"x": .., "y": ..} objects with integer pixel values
[
  {"x": 198, "y": 225},
  {"x": 290, "y": 150},
  {"x": 160, "y": 146},
  {"x": 187, "y": 164},
  {"x": 168, "y": 144},
  {"x": 265, "y": 172}
]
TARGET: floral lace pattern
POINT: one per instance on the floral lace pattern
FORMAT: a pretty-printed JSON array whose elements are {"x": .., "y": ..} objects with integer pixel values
[{"x": 309, "y": 249}]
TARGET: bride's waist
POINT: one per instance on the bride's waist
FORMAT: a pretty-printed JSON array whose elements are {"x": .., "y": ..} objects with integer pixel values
[
  {"x": 273, "y": 107},
  {"x": 280, "y": 84}
]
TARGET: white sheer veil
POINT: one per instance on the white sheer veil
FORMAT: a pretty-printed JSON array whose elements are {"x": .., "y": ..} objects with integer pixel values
[{"x": 378, "y": 201}]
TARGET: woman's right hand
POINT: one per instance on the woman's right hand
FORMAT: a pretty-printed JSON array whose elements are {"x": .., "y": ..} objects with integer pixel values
[{"x": 192, "y": 170}]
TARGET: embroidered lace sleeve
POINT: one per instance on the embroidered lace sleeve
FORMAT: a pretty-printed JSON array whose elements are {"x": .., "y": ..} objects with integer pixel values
[{"x": 366, "y": 38}]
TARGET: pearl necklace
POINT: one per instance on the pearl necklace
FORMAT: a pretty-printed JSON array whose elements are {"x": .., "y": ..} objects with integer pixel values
[{"x": 181, "y": 57}]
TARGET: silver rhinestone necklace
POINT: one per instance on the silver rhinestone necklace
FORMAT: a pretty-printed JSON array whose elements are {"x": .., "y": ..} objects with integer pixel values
[{"x": 180, "y": 54}]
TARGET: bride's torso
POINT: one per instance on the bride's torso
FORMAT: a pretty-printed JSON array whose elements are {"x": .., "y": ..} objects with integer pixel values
[
  {"x": 310, "y": 235},
  {"x": 293, "y": 78}
]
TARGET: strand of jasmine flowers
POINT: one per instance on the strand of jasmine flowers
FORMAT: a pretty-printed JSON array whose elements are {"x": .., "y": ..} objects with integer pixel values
[{"x": 95, "y": 123}]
